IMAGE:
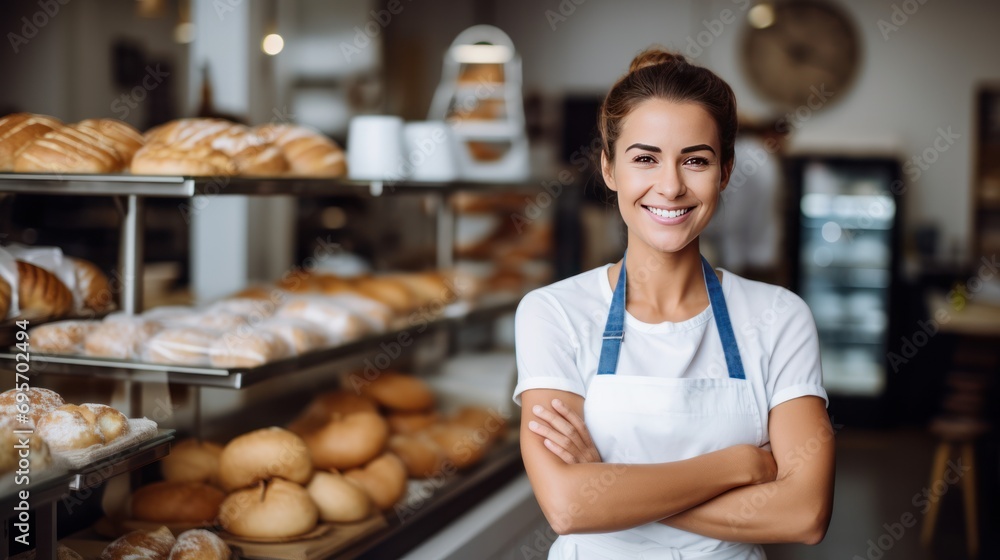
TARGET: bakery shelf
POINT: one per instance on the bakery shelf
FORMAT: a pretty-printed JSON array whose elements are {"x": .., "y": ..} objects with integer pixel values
[
  {"x": 120, "y": 184},
  {"x": 53, "y": 485},
  {"x": 241, "y": 378}
]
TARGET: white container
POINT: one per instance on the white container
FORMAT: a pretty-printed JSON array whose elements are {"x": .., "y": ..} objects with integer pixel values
[
  {"x": 375, "y": 148},
  {"x": 430, "y": 151}
]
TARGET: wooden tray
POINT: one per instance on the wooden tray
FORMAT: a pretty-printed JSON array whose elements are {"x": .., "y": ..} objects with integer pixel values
[{"x": 338, "y": 536}]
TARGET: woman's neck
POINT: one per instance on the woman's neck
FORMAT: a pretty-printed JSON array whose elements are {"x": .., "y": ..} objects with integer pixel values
[{"x": 663, "y": 286}]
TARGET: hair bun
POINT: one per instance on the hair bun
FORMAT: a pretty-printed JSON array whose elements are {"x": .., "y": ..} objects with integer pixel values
[{"x": 652, "y": 57}]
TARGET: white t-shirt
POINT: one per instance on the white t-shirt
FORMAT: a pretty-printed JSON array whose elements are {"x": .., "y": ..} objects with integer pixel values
[{"x": 558, "y": 332}]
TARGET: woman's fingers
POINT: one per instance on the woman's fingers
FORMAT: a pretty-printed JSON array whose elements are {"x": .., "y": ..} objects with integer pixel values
[
  {"x": 587, "y": 444},
  {"x": 554, "y": 441},
  {"x": 560, "y": 424}
]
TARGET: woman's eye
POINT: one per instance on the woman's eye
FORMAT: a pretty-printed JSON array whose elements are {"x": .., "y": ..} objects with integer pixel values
[
  {"x": 697, "y": 162},
  {"x": 644, "y": 159}
]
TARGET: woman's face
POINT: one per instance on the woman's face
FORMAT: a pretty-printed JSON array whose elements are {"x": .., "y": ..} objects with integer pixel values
[{"x": 667, "y": 173}]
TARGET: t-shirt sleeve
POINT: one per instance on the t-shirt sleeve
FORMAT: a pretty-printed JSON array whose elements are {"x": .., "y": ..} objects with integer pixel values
[
  {"x": 545, "y": 347},
  {"x": 794, "y": 368}
]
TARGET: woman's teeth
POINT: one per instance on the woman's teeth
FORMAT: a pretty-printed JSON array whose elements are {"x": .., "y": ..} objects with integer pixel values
[{"x": 668, "y": 213}]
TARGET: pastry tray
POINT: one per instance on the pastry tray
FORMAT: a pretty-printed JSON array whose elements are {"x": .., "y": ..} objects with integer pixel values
[{"x": 238, "y": 378}]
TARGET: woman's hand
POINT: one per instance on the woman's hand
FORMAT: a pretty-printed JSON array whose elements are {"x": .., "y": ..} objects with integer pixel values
[
  {"x": 565, "y": 433},
  {"x": 761, "y": 464}
]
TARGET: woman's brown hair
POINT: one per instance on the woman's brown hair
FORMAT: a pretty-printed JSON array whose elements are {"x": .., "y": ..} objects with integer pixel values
[{"x": 658, "y": 74}]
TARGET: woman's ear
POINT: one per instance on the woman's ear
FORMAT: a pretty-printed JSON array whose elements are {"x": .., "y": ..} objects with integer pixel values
[
  {"x": 727, "y": 173},
  {"x": 607, "y": 172}
]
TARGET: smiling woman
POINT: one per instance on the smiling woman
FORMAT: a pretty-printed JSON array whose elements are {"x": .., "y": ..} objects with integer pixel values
[{"x": 686, "y": 423}]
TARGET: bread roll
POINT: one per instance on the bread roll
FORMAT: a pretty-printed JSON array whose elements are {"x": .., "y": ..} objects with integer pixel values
[
  {"x": 323, "y": 408},
  {"x": 40, "y": 294},
  {"x": 61, "y": 337},
  {"x": 484, "y": 420},
  {"x": 309, "y": 153},
  {"x": 69, "y": 427},
  {"x": 384, "y": 479},
  {"x": 39, "y": 403},
  {"x": 93, "y": 286},
  {"x": 264, "y": 454},
  {"x": 276, "y": 509},
  {"x": 192, "y": 461},
  {"x": 199, "y": 544},
  {"x": 250, "y": 154},
  {"x": 338, "y": 498},
  {"x": 147, "y": 545},
  {"x": 120, "y": 337},
  {"x": 429, "y": 289},
  {"x": 463, "y": 447},
  {"x": 181, "y": 346},
  {"x": 5, "y": 298},
  {"x": 246, "y": 349},
  {"x": 411, "y": 422},
  {"x": 253, "y": 309},
  {"x": 109, "y": 422},
  {"x": 338, "y": 322},
  {"x": 124, "y": 139},
  {"x": 399, "y": 392},
  {"x": 422, "y": 456},
  {"x": 39, "y": 455},
  {"x": 300, "y": 336},
  {"x": 389, "y": 291},
  {"x": 69, "y": 149},
  {"x": 177, "y": 502},
  {"x": 17, "y": 131},
  {"x": 347, "y": 441}
]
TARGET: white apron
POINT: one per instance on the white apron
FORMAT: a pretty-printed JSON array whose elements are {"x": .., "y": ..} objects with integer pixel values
[{"x": 640, "y": 419}]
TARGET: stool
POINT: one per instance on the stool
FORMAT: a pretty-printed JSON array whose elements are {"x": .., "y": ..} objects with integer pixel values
[{"x": 959, "y": 426}]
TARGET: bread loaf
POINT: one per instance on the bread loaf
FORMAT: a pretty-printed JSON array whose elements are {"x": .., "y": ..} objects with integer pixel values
[
  {"x": 61, "y": 337},
  {"x": 199, "y": 544},
  {"x": 389, "y": 291},
  {"x": 309, "y": 153},
  {"x": 384, "y": 479},
  {"x": 119, "y": 337},
  {"x": 422, "y": 456},
  {"x": 411, "y": 422},
  {"x": 300, "y": 336},
  {"x": 249, "y": 153},
  {"x": 338, "y": 323},
  {"x": 147, "y": 545},
  {"x": 347, "y": 441},
  {"x": 72, "y": 427},
  {"x": 198, "y": 161},
  {"x": 399, "y": 392},
  {"x": 325, "y": 407},
  {"x": 38, "y": 451},
  {"x": 248, "y": 348},
  {"x": 262, "y": 455},
  {"x": 5, "y": 293},
  {"x": 275, "y": 509},
  {"x": 39, "y": 402},
  {"x": 181, "y": 346},
  {"x": 40, "y": 294},
  {"x": 17, "y": 131},
  {"x": 92, "y": 286},
  {"x": 69, "y": 149},
  {"x": 192, "y": 461},
  {"x": 109, "y": 422},
  {"x": 463, "y": 447},
  {"x": 338, "y": 498},
  {"x": 124, "y": 139},
  {"x": 483, "y": 420},
  {"x": 177, "y": 502}
]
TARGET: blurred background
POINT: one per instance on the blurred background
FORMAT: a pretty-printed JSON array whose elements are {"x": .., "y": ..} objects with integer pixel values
[{"x": 867, "y": 181}]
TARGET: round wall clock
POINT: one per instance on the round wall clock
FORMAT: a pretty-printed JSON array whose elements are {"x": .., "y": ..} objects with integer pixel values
[{"x": 807, "y": 53}]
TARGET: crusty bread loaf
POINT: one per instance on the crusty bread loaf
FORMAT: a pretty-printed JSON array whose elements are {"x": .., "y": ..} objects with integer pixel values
[
  {"x": 422, "y": 456},
  {"x": 61, "y": 337},
  {"x": 463, "y": 446},
  {"x": 250, "y": 154},
  {"x": 121, "y": 136},
  {"x": 185, "y": 346},
  {"x": 40, "y": 402},
  {"x": 10, "y": 456},
  {"x": 275, "y": 509},
  {"x": 108, "y": 421},
  {"x": 262, "y": 455},
  {"x": 399, "y": 392},
  {"x": 309, "y": 153},
  {"x": 248, "y": 348},
  {"x": 326, "y": 406},
  {"x": 389, "y": 291},
  {"x": 199, "y": 544},
  {"x": 119, "y": 337},
  {"x": 40, "y": 294},
  {"x": 92, "y": 286},
  {"x": 192, "y": 461},
  {"x": 5, "y": 294},
  {"x": 339, "y": 499},
  {"x": 147, "y": 545},
  {"x": 347, "y": 441},
  {"x": 79, "y": 427},
  {"x": 411, "y": 422},
  {"x": 177, "y": 502},
  {"x": 17, "y": 131},
  {"x": 69, "y": 149}
]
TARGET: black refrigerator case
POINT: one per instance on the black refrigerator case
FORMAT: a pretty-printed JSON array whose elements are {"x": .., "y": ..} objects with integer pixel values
[{"x": 844, "y": 245}]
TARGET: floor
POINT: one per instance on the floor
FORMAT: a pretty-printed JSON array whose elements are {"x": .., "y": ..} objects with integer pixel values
[{"x": 880, "y": 480}]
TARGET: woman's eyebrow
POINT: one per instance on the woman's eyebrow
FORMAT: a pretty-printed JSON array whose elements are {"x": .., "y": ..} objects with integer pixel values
[
  {"x": 697, "y": 148},
  {"x": 645, "y": 147}
]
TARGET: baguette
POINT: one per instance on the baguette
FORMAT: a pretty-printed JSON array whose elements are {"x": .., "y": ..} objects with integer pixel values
[{"x": 17, "y": 131}]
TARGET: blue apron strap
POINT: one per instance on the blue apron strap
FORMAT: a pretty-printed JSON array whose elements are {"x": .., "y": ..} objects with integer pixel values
[
  {"x": 614, "y": 329},
  {"x": 721, "y": 312}
]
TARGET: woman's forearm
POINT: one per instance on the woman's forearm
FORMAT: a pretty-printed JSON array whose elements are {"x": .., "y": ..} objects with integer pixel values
[{"x": 603, "y": 497}]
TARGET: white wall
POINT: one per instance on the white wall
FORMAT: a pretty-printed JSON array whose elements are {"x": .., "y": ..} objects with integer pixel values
[{"x": 922, "y": 78}]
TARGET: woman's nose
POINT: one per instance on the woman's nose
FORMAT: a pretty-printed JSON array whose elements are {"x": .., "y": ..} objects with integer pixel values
[{"x": 670, "y": 183}]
